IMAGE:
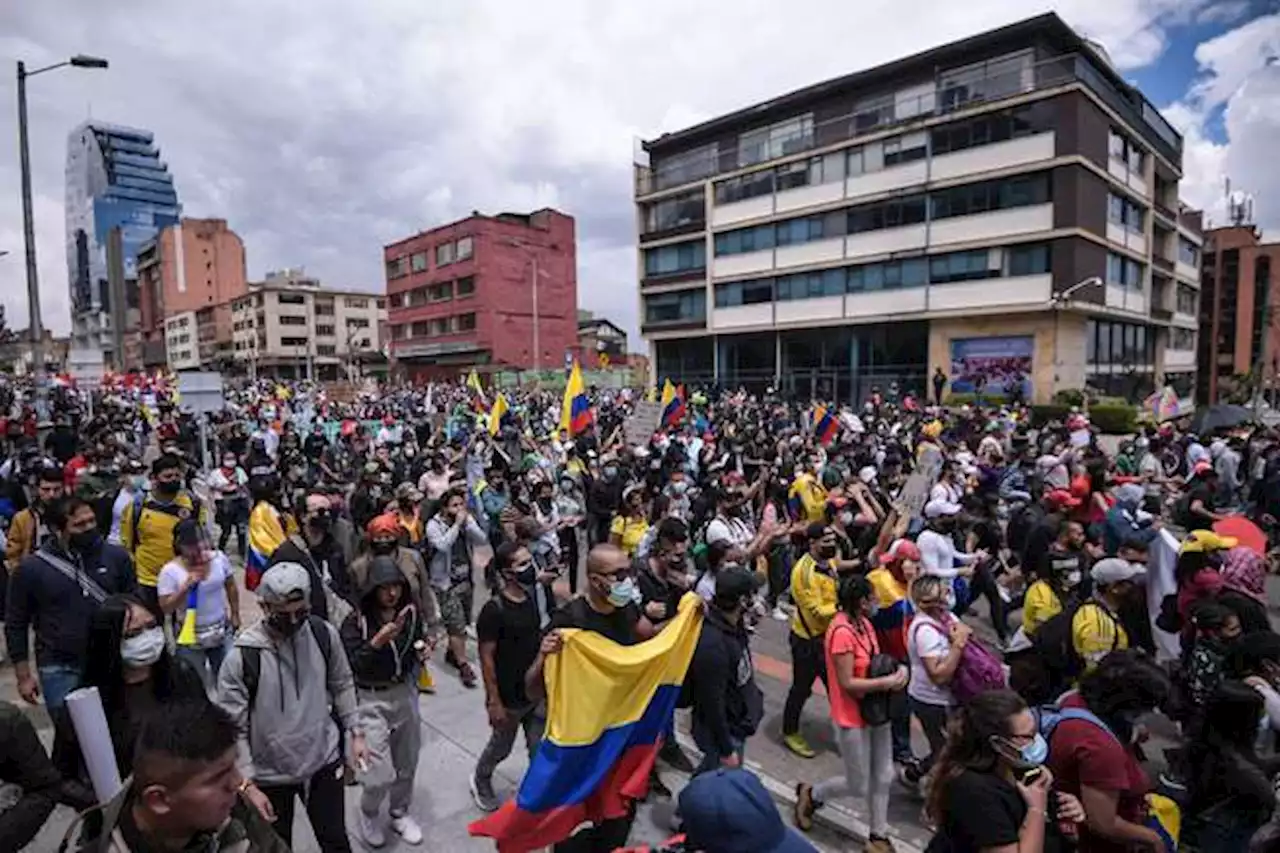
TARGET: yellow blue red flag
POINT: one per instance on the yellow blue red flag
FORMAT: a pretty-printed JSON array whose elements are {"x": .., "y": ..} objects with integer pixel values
[
  {"x": 575, "y": 411},
  {"x": 266, "y": 534},
  {"x": 673, "y": 407},
  {"x": 607, "y": 706},
  {"x": 499, "y": 409}
]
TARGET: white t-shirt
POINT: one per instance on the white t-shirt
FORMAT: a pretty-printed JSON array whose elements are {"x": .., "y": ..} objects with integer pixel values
[
  {"x": 211, "y": 600},
  {"x": 123, "y": 499},
  {"x": 736, "y": 531},
  {"x": 927, "y": 639}
]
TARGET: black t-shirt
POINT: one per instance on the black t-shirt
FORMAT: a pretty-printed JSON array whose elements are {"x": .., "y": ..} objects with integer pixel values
[
  {"x": 619, "y": 626},
  {"x": 514, "y": 627},
  {"x": 978, "y": 810},
  {"x": 1204, "y": 493}
]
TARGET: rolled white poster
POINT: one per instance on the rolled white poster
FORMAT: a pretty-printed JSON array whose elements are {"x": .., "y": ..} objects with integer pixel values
[{"x": 90, "y": 722}]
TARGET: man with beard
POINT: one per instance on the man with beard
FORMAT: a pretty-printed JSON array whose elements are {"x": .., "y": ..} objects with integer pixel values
[
  {"x": 55, "y": 591},
  {"x": 454, "y": 535},
  {"x": 316, "y": 550}
]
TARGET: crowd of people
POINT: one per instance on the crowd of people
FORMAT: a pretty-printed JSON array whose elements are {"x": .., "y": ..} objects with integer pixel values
[{"x": 960, "y": 571}]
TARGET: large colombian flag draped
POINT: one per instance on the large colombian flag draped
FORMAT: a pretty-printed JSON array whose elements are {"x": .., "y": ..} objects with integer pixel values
[
  {"x": 672, "y": 405},
  {"x": 266, "y": 534},
  {"x": 575, "y": 412},
  {"x": 607, "y": 706}
]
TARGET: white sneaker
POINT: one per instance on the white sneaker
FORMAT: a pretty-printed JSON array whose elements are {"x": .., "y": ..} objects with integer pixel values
[
  {"x": 407, "y": 828},
  {"x": 371, "y": 829}
]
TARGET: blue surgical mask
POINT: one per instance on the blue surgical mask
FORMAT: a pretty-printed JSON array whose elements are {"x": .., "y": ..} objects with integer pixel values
[
  {"x": 1033, "y": 754},
  {"x": 623, "y": 592}
]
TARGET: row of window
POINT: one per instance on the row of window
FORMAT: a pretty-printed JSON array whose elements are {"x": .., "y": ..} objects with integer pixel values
[
  {"x": 872, "y": 157},
  {"x": 292, "y": 320},
  {"x": 684, "y": 209},
  {"x": 1125, "y": 272},
  {"x": 1125, "y": 150},
  {"x": 1119, "y": 344},
  {"x": 1188, "y": 300},
  {"x": 446, "y": 253},
  {"x": 675, "y": 259},
  {"x": 435, "y": 327},
  {"x": 1030, "y": 259},
  {"x": 322, "y": 308},
  {"x": 443, "y": 291},
  {"x": 912, "y": 209},
  {"x": 1188, "y": 252},
  {"x": 685, "y": 306},
  {"x": 1126, "y": 213}
]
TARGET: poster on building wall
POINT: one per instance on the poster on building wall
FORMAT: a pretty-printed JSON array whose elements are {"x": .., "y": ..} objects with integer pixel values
[{"x": 994, "y": 367}]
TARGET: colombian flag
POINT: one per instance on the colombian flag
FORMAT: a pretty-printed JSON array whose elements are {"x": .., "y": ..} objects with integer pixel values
[
  {"x": 478, "y": 402},
  {"x": 187, "y": 636},
  {"x": 266, "y": 533},
  {"x": 607, "y": 706},
  {"x": 825, "y": 425},
  {"x": 672, "y": 405},
  {"x": 499, "y": 409},
  {"x": 575, "y": 412},
  {"x": 892, "y": 618}
]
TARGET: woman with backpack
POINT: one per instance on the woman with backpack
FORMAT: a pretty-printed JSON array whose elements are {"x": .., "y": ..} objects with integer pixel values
[
  {"x": 862, "y": 678},
  {"x": 935, "y": 643}
]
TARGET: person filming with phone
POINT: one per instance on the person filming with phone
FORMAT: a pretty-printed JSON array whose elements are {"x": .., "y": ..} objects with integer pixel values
[{"x": 385, "y": 639}]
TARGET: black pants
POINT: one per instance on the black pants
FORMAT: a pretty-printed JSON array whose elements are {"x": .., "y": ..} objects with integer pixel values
[
  {"x": 232, "y": 515},
  {"x": 569, "y": 556},
  {"x": 808, "y": 661},
  {"x": 933, "y": 719},
  {"x": 984, "y": 583},
  {"x": 323, "y": 801},
  {"x": 779, "y": 571}
]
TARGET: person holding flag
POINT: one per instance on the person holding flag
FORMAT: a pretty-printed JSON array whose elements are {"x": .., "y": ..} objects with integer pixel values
[
  {"x": 266, "y": 528},
  {"x": 673, "y": 405},
  {"x": 826, "y": 426},
  {"x": 575, "y": 411},
  {"x": 199, "y": 588}
]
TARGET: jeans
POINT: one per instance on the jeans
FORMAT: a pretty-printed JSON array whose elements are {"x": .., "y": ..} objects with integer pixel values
[
  {"x": 808, "y": 661},
  {"x": 933, "y": 719},
  {"x": 779, "y": 571},
  {"x": 321, "y": 795},
  {"x": 868, "y": 772},
  {"x": 56, "y": 681},
  {"x": 710, "y": 750},
  {"x": 531, "y": 718},
  {"x": 207, "y": 662}
]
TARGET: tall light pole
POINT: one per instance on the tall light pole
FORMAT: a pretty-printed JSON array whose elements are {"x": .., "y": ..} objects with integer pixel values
[
  {"x": 35, "y": 324},
  {"x": 1059, "y": 301}
]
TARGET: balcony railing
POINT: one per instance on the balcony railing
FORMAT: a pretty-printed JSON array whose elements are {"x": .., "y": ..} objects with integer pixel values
[
  {"x": 888, "y": 112},
  {"x": 1162, "y": 263}
]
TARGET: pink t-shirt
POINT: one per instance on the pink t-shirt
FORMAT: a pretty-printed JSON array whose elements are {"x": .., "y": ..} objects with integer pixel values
[{"x": 844, "y": 636}]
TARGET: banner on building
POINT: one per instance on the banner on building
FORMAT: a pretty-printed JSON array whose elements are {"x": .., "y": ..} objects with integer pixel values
[{"x": 993, "y": 367}]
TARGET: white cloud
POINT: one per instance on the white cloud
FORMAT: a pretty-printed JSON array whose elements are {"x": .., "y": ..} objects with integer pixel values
[
  {"x": 323, "y": 134},
  {"x": 1223, "y": 13}
]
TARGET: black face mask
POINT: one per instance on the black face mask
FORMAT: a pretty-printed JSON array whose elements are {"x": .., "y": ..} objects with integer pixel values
[
  {"x": 827, "y": 552},
  {"x": 166, "y": 488},
  {"x": 321, "y": 522},
  {"x": 525, "y": 575},
  {"x": 383, "y": 548},
  {"x": 286, "y": 624},
  {"x": 86, "y": 541}
]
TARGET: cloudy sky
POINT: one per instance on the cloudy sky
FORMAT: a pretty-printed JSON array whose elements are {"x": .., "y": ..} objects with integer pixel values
[{"x": 324, "y": 129}]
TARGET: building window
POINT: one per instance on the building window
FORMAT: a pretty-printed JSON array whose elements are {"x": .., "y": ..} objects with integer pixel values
[
  {"x": 1125, "y": 151},
  {"x": 670, "y": 260},
  {"x": 812, "y": 285},
  {"x": 1124, "y": 272},
  {"x": 324, "y": 331},
  {"x": 444, "y": 254},
  {"x": 988, "y": 80},
  {"x": 1029, "y": 259},
  {"x": 291, "y": 299},
  {"x": 751, "y": 185},
  {"x": 905, "y": 149},
  {"x": 963, "y": 266},
  {"x": 466, "y": 286},
  {"x": 1188, "y": 252},
  {"x": 688, "y": 306},
  {"x": 685, "y": 209},
  {"x": 686, "y": 166},
  {"x": 891, "y": 213},
  {"x": 438, "y": 326},
  {"x": 466, "y": 322},
  {"x": 1126, "y": 213},
  {"x": 442, "y": 292},
  {"x": 987, "y": 196},
  {"x": 868, "y": 158},
  {"x": 418, "y": 261},
  {"x": 1182, "y": 339},
  {"x": 290, "y": 320},
  {"x": 354, "y": 302},
  {"x": 293, "y": 342},
  {"x": 744, "y": 293},
  {"x": 769, "y": 143},
  {"x": 464, "y": 248},
  {"x": 324, "y": 309},
  {"x": 1109, "y": 344},
  {"x": 395, "y": 268},
  {"x": 890, "y": 275},
  {"x": 381, "y": 304},
  {"x": 991, "y": 128},
  {"x": 326, "y": 349},
  {"x": 420, "y": 329},
  {"x": 357, "y": 322},
  {"x": 1188, "y": 300}
]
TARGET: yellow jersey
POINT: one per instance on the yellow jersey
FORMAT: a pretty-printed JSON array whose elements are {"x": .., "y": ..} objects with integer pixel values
[
  {"x": 814, "y": 595},
  {"x": 149, "y": 538}
]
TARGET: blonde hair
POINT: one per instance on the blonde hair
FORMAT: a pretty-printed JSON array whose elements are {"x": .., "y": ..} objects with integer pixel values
[{"x": 928, "y": 587}]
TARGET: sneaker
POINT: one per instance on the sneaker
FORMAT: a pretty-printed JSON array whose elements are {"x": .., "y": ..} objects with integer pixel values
[
  {"x": 805, "y": 806},
  {"x": 673, "y": 756},
  {"x": 797, "y": 744},
  {"x": 467, "y": 674},
  {"x": 371, "y": 829},
  {"x": 909, "y": 775},
  {"x": 407, "y": 828},
  {"x": 878, "y": 845},
  {"x": 482, "y": 793},
  {"x": 780, "y": 615}
]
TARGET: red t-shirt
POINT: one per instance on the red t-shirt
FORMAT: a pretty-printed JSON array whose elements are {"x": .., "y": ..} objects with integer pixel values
[
  {"x": 72, "y": 470},
  {"x": 846, "y": 637},
  {"x": 1083, "y": 755}
]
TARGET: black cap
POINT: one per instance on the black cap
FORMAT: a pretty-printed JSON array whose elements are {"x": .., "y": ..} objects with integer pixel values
[
  {"x": 816, "y": 531},
  {"x": 734, "y": 583}
]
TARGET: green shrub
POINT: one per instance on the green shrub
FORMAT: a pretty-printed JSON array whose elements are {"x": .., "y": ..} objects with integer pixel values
[
  {"x": 1069, "y": 397},
  {"x": 1114, "y": 420},
  {"x": 1046, "y": 412},
  {"x": 960, "y": 399}
]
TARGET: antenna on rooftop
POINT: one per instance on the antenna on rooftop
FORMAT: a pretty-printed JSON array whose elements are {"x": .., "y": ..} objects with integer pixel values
[{"x": 1239, "y": 205}]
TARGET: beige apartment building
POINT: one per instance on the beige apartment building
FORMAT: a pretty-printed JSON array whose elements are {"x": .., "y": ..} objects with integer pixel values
[{"x": 289, "y": 326}]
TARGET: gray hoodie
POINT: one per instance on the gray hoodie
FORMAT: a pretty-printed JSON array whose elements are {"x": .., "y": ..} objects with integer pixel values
[{"x": 288, "y": 734}]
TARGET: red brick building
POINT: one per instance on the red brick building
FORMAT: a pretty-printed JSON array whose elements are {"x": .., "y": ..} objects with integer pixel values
[
  {"x": 1238, "y": 307},
  {"x": 462, "y": 295}
]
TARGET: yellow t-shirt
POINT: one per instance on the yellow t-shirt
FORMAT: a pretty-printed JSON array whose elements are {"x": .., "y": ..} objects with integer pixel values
[
  {"x": 629, "y": 531},
  {"x": 814, "y": 594},
  {"x": 1040, "y": 605},
  {"x": 152, "y": 546},
  {"x": 812, "y": 497},
  {"x": 1095, "y": 633}
]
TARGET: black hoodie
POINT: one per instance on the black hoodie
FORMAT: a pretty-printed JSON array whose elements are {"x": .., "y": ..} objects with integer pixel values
[
  {"x": 726, "y": 698},
  {"x": 394, "y": 662}
]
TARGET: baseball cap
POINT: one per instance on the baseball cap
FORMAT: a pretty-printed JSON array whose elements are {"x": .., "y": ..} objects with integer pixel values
[
  {"x": 283, "y": 583},
  {"x": 725, "y": 811},
  {"x": 934, "y": 509},
  {"x": 901, "y": 549},
  {"x": 1204, "y": 541},
  {"x": 1115, "y": 570}
]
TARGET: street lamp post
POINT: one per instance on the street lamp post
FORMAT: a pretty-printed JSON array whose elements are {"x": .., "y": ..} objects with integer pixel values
[
  {"x": 1059, "y": 301},
  {"x": 28, "y": 221},
  {"x": 537, "y": 273}
]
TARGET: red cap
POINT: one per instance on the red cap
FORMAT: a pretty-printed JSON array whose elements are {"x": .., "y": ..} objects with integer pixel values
[
  {"x": 901, "y": 549},
  {"x": 384, "y": 524}
]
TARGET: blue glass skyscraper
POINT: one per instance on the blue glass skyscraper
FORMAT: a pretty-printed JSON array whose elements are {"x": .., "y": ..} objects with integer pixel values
[{"x": 115, "y": 179}]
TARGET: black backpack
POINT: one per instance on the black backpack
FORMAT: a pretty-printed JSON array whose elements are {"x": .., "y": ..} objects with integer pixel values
[
  {"x": 1041, "y": 673},
  {"x": 252, "y": 658}
]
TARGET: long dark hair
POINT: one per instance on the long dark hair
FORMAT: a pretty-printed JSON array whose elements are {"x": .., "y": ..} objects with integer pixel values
[
  {"x": 968, "y": 746},
  {"x": 103, "y": 667}
]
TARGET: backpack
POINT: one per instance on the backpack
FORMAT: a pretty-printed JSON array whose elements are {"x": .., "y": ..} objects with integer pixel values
[
  {"x": 251, "y": 658},
  {"x": 1049, "y": 717},
  {"x": 875, "y": 706},
  {"x": 978, "y": 671}
]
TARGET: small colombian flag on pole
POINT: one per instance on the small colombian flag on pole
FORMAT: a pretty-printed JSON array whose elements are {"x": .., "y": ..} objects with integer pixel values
[
  {"x": 575, "y": 411},
  {"x": 499, "y": 409},
  {"x": 187, "y": 636}
]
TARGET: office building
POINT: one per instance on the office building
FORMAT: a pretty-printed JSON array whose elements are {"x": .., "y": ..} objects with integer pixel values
[
  {"x": 195, "y": 266},
  {"x": 491, "y": 292},
  {"x": 1003, "y": 208},
  {"x": 116, "y": 185},
  {"x": 290, "y": 327},
  {"x": 1237, "y": 313}
]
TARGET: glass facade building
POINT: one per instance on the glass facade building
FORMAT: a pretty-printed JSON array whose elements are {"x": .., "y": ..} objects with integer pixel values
[{"x": 115, "y": 179}]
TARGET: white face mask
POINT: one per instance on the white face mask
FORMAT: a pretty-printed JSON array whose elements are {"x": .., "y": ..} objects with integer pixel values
[{"x": 142, "y": 649}]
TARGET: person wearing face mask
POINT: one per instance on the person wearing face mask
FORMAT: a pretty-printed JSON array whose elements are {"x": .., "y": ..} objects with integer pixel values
[
  {"x": 1061, "y": 580},
  {"x": 316, "y": 548},
  {"x": 231, "y": 500},
  {"x": 217, "y": 598},
  {"x": 266, "y": 527},
  {"x": 382, "y": 639},
  {"x": 435, "y": 481},
  {"x": 508, "y": 629},
  {"x": 992, "y": 790},
  {"x": 938, "y": 554},
  {"x": 1096, "y": 627},
  {"x": 454, "y": 536},
  {"x": 147, "y": 525},
  {"x": 813, "y": 590},
  {"x": 133, "y": 482},
  {"x": 604, "y": 500},
  {"x": 631, "y": 523},
  {"x": 126, "y": 660},
  {"x": 55, "y": 592},
  {"x": 573, "y": 515},
  {"x": 279, "y": 683}
]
